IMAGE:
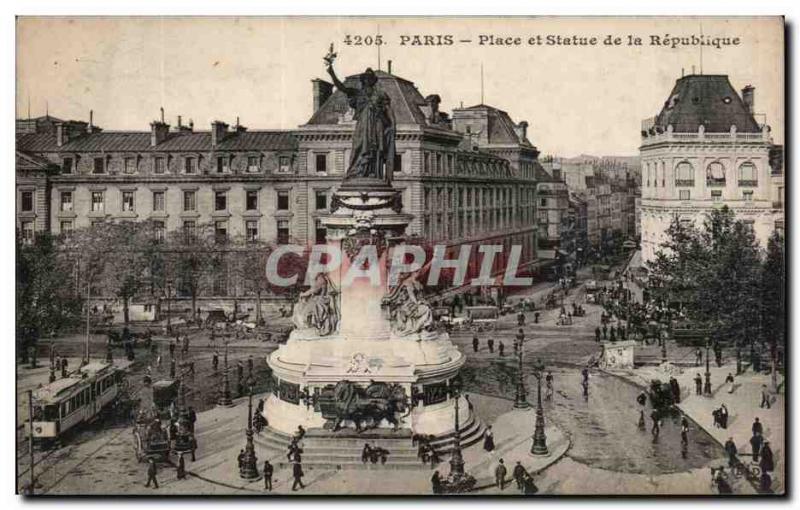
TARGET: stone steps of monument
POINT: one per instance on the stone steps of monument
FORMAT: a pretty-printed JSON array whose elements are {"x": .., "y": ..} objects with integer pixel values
[{"x": 356, "y": 465}]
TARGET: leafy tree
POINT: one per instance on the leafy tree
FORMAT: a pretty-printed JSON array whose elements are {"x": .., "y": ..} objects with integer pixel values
[
  {"x": 45, "y": 294},
  {"x": 192, "y": 256},
  {"x": 712, "y": 273},
  {"x": 773, "y": 291}
]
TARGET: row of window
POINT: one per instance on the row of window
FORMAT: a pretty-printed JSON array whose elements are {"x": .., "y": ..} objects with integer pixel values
[
  {"x": 684, "y": 174},
  {"x": 189, "y": 165},
  {"x": 189, "y": 201},
  {"x": 716, "y": 195}
]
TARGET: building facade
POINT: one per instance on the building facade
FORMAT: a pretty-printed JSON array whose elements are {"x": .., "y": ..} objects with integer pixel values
[
  {"x": 704, "y": 150},
  {"x": 471, "y": 179}
]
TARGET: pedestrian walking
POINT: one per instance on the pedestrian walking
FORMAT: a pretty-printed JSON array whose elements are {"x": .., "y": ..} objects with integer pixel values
[
  {"x": 764, "y": 397},
  {"x": 767, "y": 461},
  {"x": 215, "y": 361},
  {"x": 597, "y": 334},
  {"x": 519, "y": 475},
  {"x": 193, "y": 442},
  {"x": 755, "y": 443},
  {"x": 605, "y": 331},
  {"x": 655, "y": 429},
  {"x": 181, "y": 471},
  {"x": 548, "y": 381},
  {"x": 698, "y": 385},
  {"x": 723, "y": 414},
  {"x": 152, "y": 471},
  {"x": 192, "y": 419},
  {"x": 268, "y": 475},
  {"x": 488, "y": 439},
  {"x": 490, "y": 343},
  {"x": 436, "y": 483},
  {"x": 730, "y": 449},
  {"x": 297, "y": 474},
  {"x": 501, "y": 348},
  {"x": 528, "y": 487},
  {"x": 366, "y": 453},
  {"x": 729, "y": 382},
  {"x": 500, "y": 475},
  {"x": 475, "y": 343}
]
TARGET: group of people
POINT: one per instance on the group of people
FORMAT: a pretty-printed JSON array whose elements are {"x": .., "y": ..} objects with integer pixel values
[
  {"x": 520, "y": 475},
  {"x": 613, "y": 333}
]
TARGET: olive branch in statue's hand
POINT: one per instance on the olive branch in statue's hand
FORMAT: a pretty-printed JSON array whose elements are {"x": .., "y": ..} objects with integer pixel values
[{"x": 330, "y": 57}]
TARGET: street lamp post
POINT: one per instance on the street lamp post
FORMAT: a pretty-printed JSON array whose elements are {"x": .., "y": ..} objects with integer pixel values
[
  {"x": 249, "y": 467},
  {"x": 707, "y": 386},
  {"x": 225, "y": 395},
  {"x": 169, "y": 308},
  {"x": 539, "y": 446},
  {"x": 456, "y": 459},
  {"x": 520, "y": 402}
]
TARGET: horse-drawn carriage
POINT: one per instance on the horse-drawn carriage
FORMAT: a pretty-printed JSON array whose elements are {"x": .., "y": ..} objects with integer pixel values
[{"x": 150, "y": 439}]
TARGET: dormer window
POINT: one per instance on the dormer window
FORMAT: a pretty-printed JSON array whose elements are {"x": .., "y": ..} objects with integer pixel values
[
  {"x": 189, "y": 165},
  {"x": 66, "y": 165},
  {"x": 284, "y": 165},
  {"x": 130, "y": 165},
  {"x": 252, "y": 164},
  {"x": 99, "y": 166},
  {"x": 222, "y": 164}
]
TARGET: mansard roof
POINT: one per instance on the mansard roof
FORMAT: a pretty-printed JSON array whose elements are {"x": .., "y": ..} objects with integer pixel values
[
  {"x": 709, "y": 100},
  {"x": 405, "y": 99},
  {"x": 139, "y": 141},
  {"x": 501, "y": 128}
]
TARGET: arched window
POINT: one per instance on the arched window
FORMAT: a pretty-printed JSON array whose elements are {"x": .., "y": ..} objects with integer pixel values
[
  {"x": 684, "y": 174},
  {"x": 748, "y": 175},
  {"x": 715, "y": 174}
]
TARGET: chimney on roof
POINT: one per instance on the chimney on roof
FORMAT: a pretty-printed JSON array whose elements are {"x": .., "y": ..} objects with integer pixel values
[
  {"x": 62, "y": 134},
  {"x": 321, "y": 91},
  {"x": 522, "y": 130},
  {"x": 239, "y": 128},
  {"x": 181, "y": 128},
  {"x": 389, "y": 67},
  {"x": 180, "y": 125},
  {"x": 431, "y": 108},
  {"x": 748, "y": 97},
  {"x": 90, "y": 127},
  {"x": 158, "y": 132},
  {"x": 218, "y": 131},
  {"x": 162, "y": 114}
]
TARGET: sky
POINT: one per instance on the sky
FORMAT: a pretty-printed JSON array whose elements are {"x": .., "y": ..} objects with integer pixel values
[{"x": 576, "y": 99}]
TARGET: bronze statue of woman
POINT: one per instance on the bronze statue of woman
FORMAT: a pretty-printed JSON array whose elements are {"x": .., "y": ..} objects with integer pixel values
[{"x": 373, "y": 150}]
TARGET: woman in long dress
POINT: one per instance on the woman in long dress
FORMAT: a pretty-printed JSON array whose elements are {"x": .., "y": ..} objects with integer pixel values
[{"x": 488, "y": 440}]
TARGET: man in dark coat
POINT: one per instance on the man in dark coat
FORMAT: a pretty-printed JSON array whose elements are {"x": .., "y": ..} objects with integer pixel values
[
  {"x": 500, "y": 475},
  {"x": 755, "y": 444},
  {"x": 215, "y": 361},
  {"x": 297, "y": 474},
  {"x": 767, "y": 462},
  {"x": 475, "y": 343},
  {"x": 764, "y": 396},
  {"x": 519, "y": 474},
  {"x": 181, "y": 470},
  {"x": 490, "y": 343},
  {"x": 267, "y": 475},
  {"x": 152, "y": 470},
  {"x": 730, "y": 449},
  {"x": 597, "y": 334},
  {"x": 502, "y": 348},
  {"x": 698, "y": 385},
  {"x": 436, "y": 483},
  {"x": 758, "y": 428}
]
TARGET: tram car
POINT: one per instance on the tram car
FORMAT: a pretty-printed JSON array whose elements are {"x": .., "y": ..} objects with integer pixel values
[{"x": 79, "y": 398}]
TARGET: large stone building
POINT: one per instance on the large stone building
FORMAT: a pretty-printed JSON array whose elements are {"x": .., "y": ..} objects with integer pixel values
[
  {"x": 470, "y": 179},
  {"x": 705, "y": 149}
]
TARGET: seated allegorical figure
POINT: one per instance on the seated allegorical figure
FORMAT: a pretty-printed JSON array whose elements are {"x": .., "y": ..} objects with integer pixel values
[{"x": 317, "y": 307}]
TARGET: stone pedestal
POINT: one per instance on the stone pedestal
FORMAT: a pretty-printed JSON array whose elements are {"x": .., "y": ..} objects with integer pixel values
[
  {"x": 365, "y": 348},
  {"x": 617, "y": 355}
]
